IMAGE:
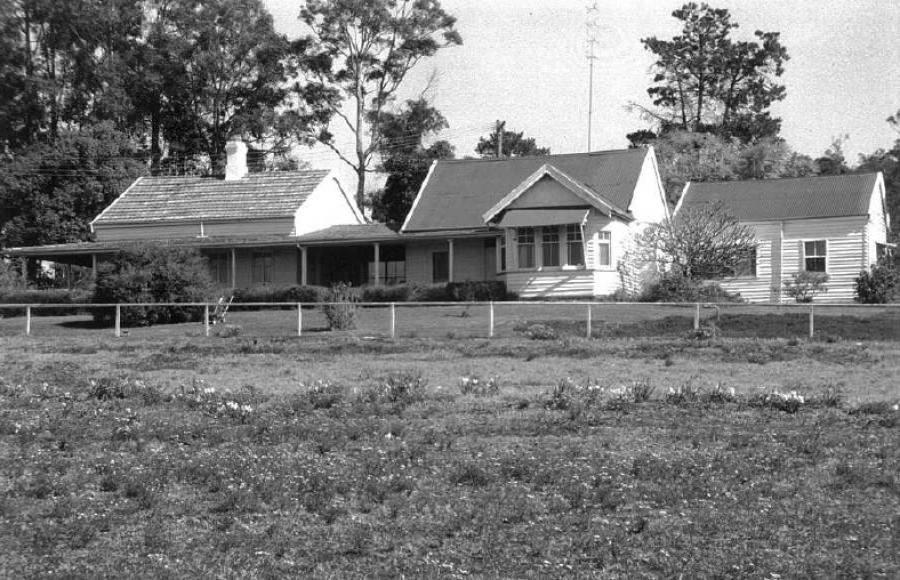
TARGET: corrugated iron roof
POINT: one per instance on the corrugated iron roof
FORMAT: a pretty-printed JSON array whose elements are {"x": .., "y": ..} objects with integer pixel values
[
  {"x": 458, "y": 192},
  {"x": 358, "y": 233},
  {"x": 793, "y": 198},
  {"x": 259, "y": 195}
]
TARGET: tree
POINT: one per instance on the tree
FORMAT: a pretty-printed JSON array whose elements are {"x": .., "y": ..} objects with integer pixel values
[
  {"x": 50, "y": 193},
  {"x": 706, "y": 81},
  {"x": 405, "y": 158},
  {"x": 833, "y": 161},
  {"x": 888, "y": 162},
  {"x": 513, "y": 144},
  {"x": 362, "y": 50},
  {"x": 699, "y": 243}
]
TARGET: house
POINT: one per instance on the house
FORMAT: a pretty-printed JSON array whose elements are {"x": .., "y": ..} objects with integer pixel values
[
  {"x": 552, "y": 226},
  {"x": 832, "y": 224}
]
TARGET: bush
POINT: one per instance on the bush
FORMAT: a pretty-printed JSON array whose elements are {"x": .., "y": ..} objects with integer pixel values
[
  {"x": 341, "y": 308},
  {"x": 43, "y": 297},
  {"x": 399, "y": 293},
  {"x": 484, "y": 291},
  {"x": 152, "y": 274},
  {"x": 305, "y": 294},
  {"x": 804, "y": 286},
  {"x": 879, "y": 285},
  {"x": 676, "y": 288},
  {"x": 540, "y": 332}
]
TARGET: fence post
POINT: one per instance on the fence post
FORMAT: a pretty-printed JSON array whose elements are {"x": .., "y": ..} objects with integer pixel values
[
  {"x": 589, "y": 321},
  {"x": 118, "y": 320},
  {"x": 812, "y": 327},
  {"x": 697, "y": 317},
  {"x": 206, "y": 319},
  {"x": 299, "y": 319},
  {"x": 491, "y": 318},
  {"x": 28, "y": 320},
  {"x": 393, "y": 318}
]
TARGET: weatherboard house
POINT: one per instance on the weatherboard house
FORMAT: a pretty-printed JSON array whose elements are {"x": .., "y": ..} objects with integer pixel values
[
  {"x": 550, "y": 226},
  {"x": 832, "y": 224},
  {"x": 553, "y": 226}
]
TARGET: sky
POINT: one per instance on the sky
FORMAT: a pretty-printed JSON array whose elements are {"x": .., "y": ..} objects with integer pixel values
[{"x": 524, "y": 61}]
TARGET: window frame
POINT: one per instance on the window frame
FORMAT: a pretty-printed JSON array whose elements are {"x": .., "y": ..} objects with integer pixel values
[
  {"x": 574, "y": 238},
  {"x": 445, "y": 267},
  {"x": 823, "y": 256},
  {"x": 741, "y": 269},
  {"x": 551, "y": 232},
  {"x": 501, "y": 252},
  {"x": 267, "y": 269},
  {"x": 526, "y": 232},
  {"x": 604, "y": 239},
  {"x": 219, "y": 274}
]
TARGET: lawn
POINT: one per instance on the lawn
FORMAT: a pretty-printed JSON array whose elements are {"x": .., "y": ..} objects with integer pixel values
[{"x": 166, "y": 453}]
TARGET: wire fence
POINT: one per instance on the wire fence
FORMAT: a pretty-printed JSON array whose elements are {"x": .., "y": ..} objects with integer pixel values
[{"x": 470, "y": 320}]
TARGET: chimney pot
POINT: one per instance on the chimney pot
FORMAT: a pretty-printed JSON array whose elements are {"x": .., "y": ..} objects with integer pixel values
[{"x": 236, "y": 161}]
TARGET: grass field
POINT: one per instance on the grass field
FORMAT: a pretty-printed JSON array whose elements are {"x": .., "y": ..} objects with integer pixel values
[{"x": 166, "y": 453}]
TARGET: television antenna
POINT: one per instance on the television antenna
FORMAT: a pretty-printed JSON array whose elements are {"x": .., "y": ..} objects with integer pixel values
[{"x": 592, "y": 26}]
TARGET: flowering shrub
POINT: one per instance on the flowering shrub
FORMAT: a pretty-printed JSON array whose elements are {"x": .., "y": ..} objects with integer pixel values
[
  {"x": 234, "y": 410},
  {"x": 720, "y": 394},
  {"x": 323, "y": 394},
  {"x": 473, "y": 385},
  {"x": 568, "y": 395},
  {"x": 686, "y": 392},
  {"x": 403, "y": 388},
  {"x": 789, "y": 402},
  {"x": 540, "y": 332}
]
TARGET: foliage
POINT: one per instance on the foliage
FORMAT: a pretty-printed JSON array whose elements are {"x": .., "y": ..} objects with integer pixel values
[
  {"x": 702, "y": 242},
  {"x": 540, "y": 332},
  {"x": 515, "y": 144},
  {"x": 477, "y": 291},
  {"x": 403, "y": 388},
  {"x": 51, "y": 191},
  {"x": 879, "y": 284},
  {"x": 275, "y": 293},
  {"x": 61, "y": 297},
  {"x": 340, "y": 307},
  {"x": 362, "y": 51},
  {"x": 151, "y": 274},
  {"x": 804, "y": 286},
  {"x": 706, "y": 81},
  {"x": 673, "y": 287},
  {"x": 475, "y": 385},
  {"x": 406, "y": 159}
]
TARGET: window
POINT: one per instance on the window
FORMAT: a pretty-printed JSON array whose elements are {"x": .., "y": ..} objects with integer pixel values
[
  {"x": 525, "y": 246},
  {"x": 440, "y": 266},
  {"x": 263, "y": 267},
  {"x": 391, "y": 272},
  {"x": 882, "y": 252},
  {"x": 574, "y": 245},
  {"x": 501, "y": 245},
  {"x": 814, "y": 254},
  {"x": 220, "y": 267},
  {"x": 604, "y": 252},
  {"x": 549, "y": 246},
  {"x": 746, "y": 266}
]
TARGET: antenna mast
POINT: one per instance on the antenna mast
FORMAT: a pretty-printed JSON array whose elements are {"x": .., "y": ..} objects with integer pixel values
[{"x": 592, "y": 26}]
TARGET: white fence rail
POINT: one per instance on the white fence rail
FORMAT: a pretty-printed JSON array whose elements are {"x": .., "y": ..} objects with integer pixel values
[{"x": 487, "y": 319}]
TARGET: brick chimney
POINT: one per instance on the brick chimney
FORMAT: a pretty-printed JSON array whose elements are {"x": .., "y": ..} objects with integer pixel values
[{"x": 236, "y": 162}]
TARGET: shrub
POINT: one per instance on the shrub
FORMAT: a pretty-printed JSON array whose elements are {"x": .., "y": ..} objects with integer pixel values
[
  {"x": 341, "y": 308},
  {"x": 404, "y": 388},
  {"x": 540, "y": 332},
  {"x": 305, "y": 294},
  {"x": 676, "y": 288},
  {"x": 788, "y": 402},
  {"x": 473, "y": 385},
  {"x": 399, "y": 293},
  {"x": 481, "y": 291},
  {"x": 323, "y": 394},
  {"x": 682, "y": 393},
  {"x": 23, "y": 296},
  {"x": 878, "y": 285},
  {"x": 804, "y": 286},
  {"x": 152, "y": 274}
]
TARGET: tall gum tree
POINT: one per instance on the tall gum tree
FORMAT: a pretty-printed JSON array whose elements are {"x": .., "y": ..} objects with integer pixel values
[{"x": 361, "y": 51}]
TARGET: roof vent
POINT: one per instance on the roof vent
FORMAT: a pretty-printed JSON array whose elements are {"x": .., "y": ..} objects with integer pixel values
[{"x": 236, "y": 163}]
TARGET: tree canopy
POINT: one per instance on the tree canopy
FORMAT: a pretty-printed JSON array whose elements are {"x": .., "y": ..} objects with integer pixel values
[
  {"x": 361, "y": 51},
  {"x": 514, "y": 144},
  {"x": 406, "y": 159},
  {"x": 704, "y": 80}
]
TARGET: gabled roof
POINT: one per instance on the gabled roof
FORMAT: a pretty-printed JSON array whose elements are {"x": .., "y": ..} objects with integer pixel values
[
  {"x": 792, "y": 198},
  {"x": 259, "y": 195},
  {"x": 457, "y": 193}
]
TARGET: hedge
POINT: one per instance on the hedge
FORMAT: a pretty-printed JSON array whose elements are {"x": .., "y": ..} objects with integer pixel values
[
  {"x": 451, "y": 292},
  {"x": 80, "y": 296}
]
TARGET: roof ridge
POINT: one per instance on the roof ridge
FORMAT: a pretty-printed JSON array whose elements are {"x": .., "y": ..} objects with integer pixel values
[
  {"x": 549, "y": 156},
  {"x": 783, "y": 179}
]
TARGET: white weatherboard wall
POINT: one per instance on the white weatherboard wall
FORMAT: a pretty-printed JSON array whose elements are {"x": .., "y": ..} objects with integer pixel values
[
  {"x": 848, "y": 241},
  {"x": 326, "y": 206},
  {"x": 470, "y": 261}
]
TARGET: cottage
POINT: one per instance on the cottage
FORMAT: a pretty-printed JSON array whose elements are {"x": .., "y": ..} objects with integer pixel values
[
  {"x": 553, "y": 226},
  {"x": 832, "y": 224}
]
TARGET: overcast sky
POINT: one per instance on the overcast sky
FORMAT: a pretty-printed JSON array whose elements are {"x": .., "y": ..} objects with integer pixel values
[{"x": 523, "y": 61}]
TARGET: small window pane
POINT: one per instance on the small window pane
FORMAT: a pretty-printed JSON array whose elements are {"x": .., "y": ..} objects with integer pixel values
[
  {"x": 815, "y": 255},
  {"x": 603, "y": 249}
]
